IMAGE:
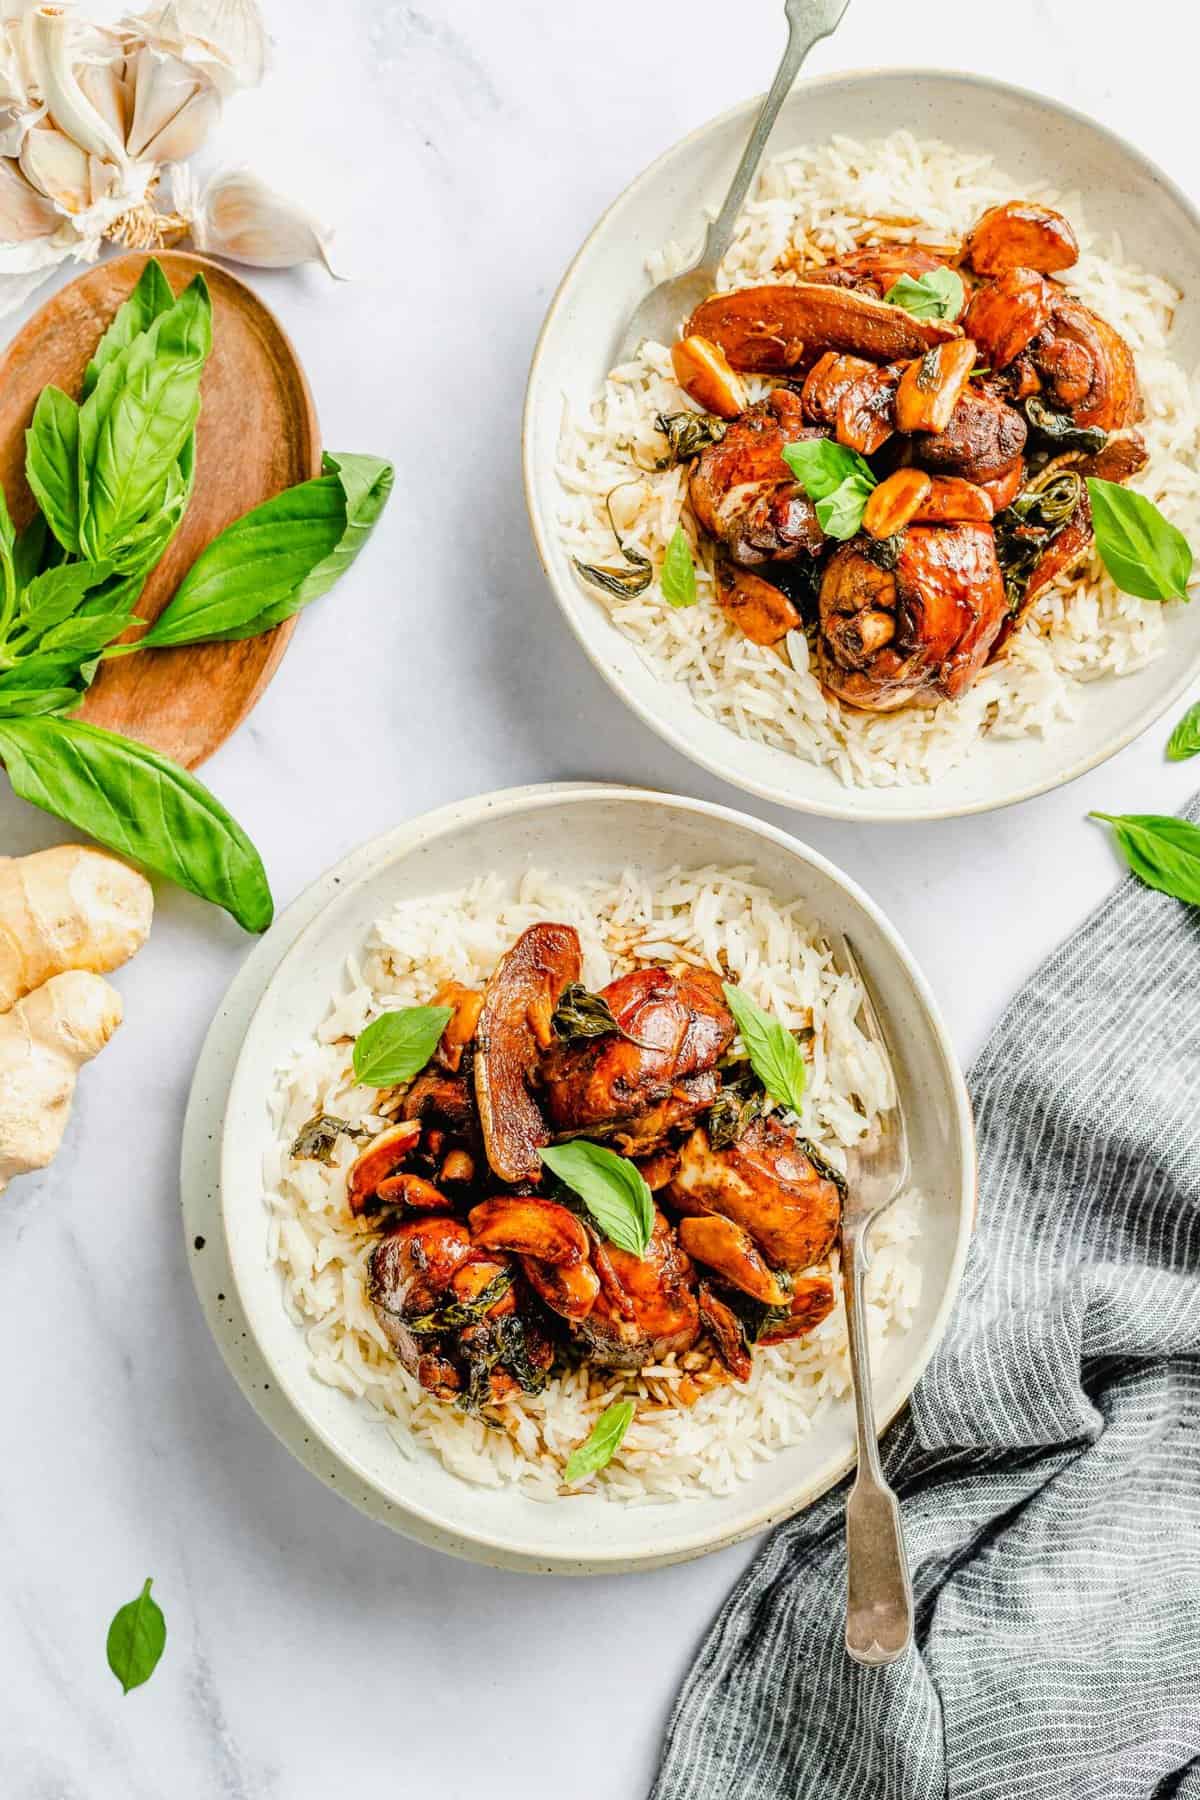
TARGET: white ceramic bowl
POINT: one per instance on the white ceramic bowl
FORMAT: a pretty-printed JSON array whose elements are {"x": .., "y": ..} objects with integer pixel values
[
  {"x": 579, "y": 832},
  {"x": 1032, "y": 137}
]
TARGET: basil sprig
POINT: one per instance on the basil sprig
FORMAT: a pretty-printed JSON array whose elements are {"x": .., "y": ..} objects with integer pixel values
[
  {"x": 136, "y": 1640},
  {"x": 1161, "y": 850},
  {"x": 838, "y": 480},
  {"x": 397, "y": 1045},
  {"x": 678, "y": 580},
  {"x": 601, "y": 1443},
  {"x": 141, "y": 805},
  {"x": 612, "y": 1188},
  {"x": 1144, "y": 553},
  {"x": 774, "y": 1054},
  {"x": 1184, "y": 741},
  {"x": 936, "y": 295}
]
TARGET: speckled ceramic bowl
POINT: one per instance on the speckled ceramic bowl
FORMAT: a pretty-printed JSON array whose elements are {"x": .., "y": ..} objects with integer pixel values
[
  {"x": 1033, "y": 138},
  {"x": 580, "y": 832}
]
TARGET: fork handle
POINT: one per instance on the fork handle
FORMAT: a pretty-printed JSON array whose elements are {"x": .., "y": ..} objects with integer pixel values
[
  {"x": 808, "y": 22},
  {"x": 879, "y": 1608}
]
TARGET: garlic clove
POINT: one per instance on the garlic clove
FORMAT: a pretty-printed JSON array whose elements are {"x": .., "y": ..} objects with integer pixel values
[
  {"x": 240, "y": 217},
  {"x": 69, "y": 107},
  {"x": 102, "y": 84},
  {"x": 226, "y": 39},
  {"x": 24, "y": 212},
  {"x": 57, "y": 167},
  {"x": 165, "y": 89}
]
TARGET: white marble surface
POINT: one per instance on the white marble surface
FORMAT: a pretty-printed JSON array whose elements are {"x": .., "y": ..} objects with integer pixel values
[{"x": 466, "y": 147}]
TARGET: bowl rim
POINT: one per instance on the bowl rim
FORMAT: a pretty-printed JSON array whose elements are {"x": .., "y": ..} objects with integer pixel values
[
  {"x": 511, "y": 1548},
  {"x": 542, "y": 529}
]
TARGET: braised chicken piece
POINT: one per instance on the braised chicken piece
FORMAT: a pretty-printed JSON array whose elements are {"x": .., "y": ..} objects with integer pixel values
[
  {"x": 450, "y": 1312},
  {"x": 876, "y": 268},
  {"x": 1056, "y": 346},
  {"x": 761, "y": 611},
  {"x": 766, "y": 1183},
  {"x": 674, "y": 1029},
  {"x": 1006, "y": 315},
  {"x": 918, "y": 631},
  {"x": 743, "y": 492},
  {"x": 812, "y": 1299},
  {"x": 825, "y": 384},
  {"x": 646, "y": 1306},
  {"x": 1021, "y": 234},
  {"x": 514, "y": 1032},
  {"x": 727, "y": 1332},
  {"x": 730, "y": 1252},
  {"x": 981, "y": 443},
  {"x": 780, "y": 329}
]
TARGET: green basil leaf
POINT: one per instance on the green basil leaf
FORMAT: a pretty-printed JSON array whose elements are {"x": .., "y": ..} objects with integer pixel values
[
  {"x": 137, "y": 1638},
  {"x": 937, "y": 295},
  {"x": 8, "y": 537},
  {"x": 150, "y": 298},
  {"x": 29, "y": 551},
  {"x": 678, "y": 579},
  {"x": 1144, "y": 553},
  {"x": 141, "y": 805},
  {"x": 840, "y": 514},
  {"x": 601, "y": 1443},
  {"x": 52, "y": 464},
  {"x": 1184, "y": 741},
  {"x": 43, "y": 670},
  {"x": 1162, "y": 851},
  {"x": 31, "y": 702},
  {"x": 53, "y": 596},
  {"x": 612, "y": 1188},
  {"x": 397, "y": 1045},
  {"x": 134, "y": 426},
  {"x": 821, "y": 466},
  {"x": 88, "y": 633},
  {"x": 775, "y": 1056}
]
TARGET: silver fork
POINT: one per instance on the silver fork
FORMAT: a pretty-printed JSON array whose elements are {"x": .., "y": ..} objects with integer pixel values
[
  {"x": 659, "y": 314},
  {"x": 879, "y": 1606}
]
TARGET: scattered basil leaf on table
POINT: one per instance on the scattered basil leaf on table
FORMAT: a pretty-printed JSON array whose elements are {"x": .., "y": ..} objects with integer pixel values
[
  {"x": 137, "y": 1638},
  {"x": 397, "y": 1045},
  {"x": 1184, "y": 741},
  {"x": 52, "y": 464},
  {"x": 1144, "y": 553},
  {"x": 678, "y": 580},
  {"x": 612, "y": 1188},
  {"x": 775, "y": 1056},
  {"x": 601, "y": 1443},
  {"x": 142, "y": 806},
  {"x": 939, "y": 294},
  {"x": 1161, "y": 850}
]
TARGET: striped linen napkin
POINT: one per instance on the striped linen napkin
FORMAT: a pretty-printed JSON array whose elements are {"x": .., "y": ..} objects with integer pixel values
[{"x": 1049, "y": 1466}]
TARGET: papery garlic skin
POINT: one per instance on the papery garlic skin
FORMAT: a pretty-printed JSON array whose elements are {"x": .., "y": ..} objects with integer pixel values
[
  {"x": 240, "y": 217},
  {"x": 226, "y": 39}
]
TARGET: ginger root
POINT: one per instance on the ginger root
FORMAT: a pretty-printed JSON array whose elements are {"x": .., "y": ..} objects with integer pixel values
[
  {"x": 44, "y": 1039},
  {"x": 67, "y": 908}
]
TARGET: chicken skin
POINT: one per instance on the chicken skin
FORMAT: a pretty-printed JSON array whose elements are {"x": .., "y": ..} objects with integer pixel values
[
  {"x": 745, "y": 495},
  {"x": 920, "y": 630},
  {"x": 767, "y": 1184},
  {"x": 646, "y": 1307}
]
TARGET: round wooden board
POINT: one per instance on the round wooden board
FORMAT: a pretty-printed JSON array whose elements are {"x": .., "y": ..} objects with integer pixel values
[{"x": 257, "y": 435}]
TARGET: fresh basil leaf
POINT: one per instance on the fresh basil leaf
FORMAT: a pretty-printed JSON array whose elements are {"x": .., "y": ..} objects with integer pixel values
[
  {"x": 775, "y": 1056},
  {"x": 151, "y": 297},
  {"x": 8, "y": 537},
  {"x": 397, "y": 1045},
  {"x": 612, "y": 1188},
  {"x": 840, "y": 514},
  {"x": 141, "y": 805},
  {"x": 89, "y": 633},
  {"x": 1184, "y": 741},
  {"x": 29, "y": 551},
  {"x": 601, "y": 1443},
  {"x": 936, "y": 295},
  {"x": 821, "y": 466},
  {"x": 31, "y": 702},
  {"x": 53, "y": 596},
  {"x": 52, "y": 464},
  {"x": 1162, "y": 851},
  {"x": 1144, "y": 553},
  {"x": 678, "y": 580},
  {"x": 137, "y": 1638},
  {"x": 44, "y": 670},
  {"x": 134, "y": 426}
]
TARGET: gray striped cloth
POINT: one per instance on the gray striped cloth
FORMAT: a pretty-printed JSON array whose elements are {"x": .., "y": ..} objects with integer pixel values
[{"x": 1049, "y": 1466}]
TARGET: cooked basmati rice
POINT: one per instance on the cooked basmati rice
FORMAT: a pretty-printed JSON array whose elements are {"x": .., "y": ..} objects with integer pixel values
[
  {"x": 811, "y": 205},
  {"x": 694, "y": 1431}
]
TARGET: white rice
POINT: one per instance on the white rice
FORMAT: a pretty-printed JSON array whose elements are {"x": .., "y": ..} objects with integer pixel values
[
  {"x": 811, "y": 205},
  {"x": 713, "y": 917}
]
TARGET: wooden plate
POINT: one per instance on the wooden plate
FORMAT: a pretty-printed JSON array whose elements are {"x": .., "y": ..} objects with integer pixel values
[{"x": 258, "y": 434}]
